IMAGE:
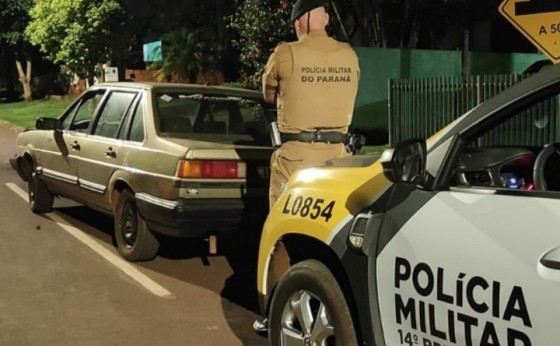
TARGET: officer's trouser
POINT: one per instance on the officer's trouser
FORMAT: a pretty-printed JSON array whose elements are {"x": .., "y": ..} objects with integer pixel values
[{"x": 291, "y": 156}]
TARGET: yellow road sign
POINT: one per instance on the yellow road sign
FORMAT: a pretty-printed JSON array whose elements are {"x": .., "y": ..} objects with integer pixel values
[{"x": 539, "y": 21}]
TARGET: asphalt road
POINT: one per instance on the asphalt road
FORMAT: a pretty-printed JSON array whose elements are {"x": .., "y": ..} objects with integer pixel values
[{"x": 63, "y": 283}]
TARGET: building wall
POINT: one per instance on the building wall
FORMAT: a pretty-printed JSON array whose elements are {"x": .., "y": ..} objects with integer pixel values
[{"x": 209, "y": 78}]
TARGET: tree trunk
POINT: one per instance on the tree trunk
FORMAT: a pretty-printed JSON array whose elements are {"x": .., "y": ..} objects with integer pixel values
[
  {"x": 192, "y": 76},
  {"x": 341, "y": 23},
  {"x": 90, "y": 77},
  {"x": 25, "y": 79},
  {"x": 100, "y": 73},
  {"x": 9, "y": 59},
  {"x": 364, "y": 11}
]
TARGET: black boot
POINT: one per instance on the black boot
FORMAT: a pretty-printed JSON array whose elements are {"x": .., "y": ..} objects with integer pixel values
[{"x": 261, "y": 326}]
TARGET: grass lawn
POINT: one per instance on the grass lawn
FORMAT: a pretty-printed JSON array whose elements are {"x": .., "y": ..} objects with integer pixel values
[
  {"x": 23, "y": 114},
  {"x": 373, "y": 149}
]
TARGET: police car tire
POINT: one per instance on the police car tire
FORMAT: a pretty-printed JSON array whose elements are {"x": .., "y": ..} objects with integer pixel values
[
  {"x": 40, "y": 198},
  {"x": 314, "y": 277},
  {"x": 128, "y": 221}
]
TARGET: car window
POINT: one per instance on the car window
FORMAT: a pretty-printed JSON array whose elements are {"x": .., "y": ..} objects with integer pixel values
[
  {"x": 137, "y": 126},
  {"x": 210, "y": 114},
  {"x": 112, "y": 113},
  {"x": 505, "y": 155},
  {"x": 239, "y": 116},
  {"x": 133, "y": 124},
  {"x": 79, "y": 117},
  {"x": 176, "y": 112}
]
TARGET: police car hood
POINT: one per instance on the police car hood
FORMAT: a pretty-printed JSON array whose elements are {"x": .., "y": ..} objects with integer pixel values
[{"x": 357, "y": 181}]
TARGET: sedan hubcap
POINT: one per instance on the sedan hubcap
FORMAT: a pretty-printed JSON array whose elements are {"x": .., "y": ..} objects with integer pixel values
[
  {"x": 130, "y": 226},
  {"x": 306, "y": 321}
]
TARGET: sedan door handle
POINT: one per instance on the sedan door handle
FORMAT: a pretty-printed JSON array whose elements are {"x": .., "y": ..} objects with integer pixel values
[
  {"x": 75, "y": 145},
  {"x": 110, "y": 152},
  {"x": 549, "y": 264}
]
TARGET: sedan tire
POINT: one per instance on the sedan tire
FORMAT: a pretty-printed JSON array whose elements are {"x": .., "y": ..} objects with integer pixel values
[
  {"x": 134, "y": 239},
  {"x": 40, "y": 198},
  {"x": 308, "y": 308}
]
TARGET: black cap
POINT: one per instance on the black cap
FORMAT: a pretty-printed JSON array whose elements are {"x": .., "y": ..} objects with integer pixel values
[{"x": 301, "y": 7}]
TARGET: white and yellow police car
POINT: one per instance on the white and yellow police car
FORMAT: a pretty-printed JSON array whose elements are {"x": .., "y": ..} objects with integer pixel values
[{"x": 450, "y": 241}]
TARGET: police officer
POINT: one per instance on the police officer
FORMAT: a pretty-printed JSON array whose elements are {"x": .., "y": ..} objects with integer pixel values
[{"x": 313, "y": 82}]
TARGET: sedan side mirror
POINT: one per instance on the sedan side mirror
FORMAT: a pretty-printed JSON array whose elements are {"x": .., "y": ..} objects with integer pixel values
[
  {"x": 46, "y": 123},
  {"x": 405, "y": 162}
]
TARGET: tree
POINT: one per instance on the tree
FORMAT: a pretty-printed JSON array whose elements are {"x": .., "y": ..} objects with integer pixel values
[
  {"x": 188, "y": 52},
  {"x": 194, "y": 34},
  {"x": 260, "y": 25},
  {"x": 412, "y": 23},
  {"x": 78, "y": 33},
  {"x": 13, "y": 20},
  {"x": 409, "y": 24}
]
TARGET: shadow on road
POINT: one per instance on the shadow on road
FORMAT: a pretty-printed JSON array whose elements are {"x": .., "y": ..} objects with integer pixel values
[{"x": 231, "y": 272}]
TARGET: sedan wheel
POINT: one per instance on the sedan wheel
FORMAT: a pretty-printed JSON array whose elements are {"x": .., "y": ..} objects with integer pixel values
[
  {"x": 134, "y": 239},
  {"x": 130, "y": 226},
  {"x": 40, "y": 198},
  {"x": 308, "y": 308}
]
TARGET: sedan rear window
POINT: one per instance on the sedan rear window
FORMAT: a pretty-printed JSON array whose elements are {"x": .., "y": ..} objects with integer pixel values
[{"x": 181, "y": 113}]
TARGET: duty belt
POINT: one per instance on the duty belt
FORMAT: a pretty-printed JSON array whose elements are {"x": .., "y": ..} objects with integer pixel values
[{"x": 315, "y": 136}]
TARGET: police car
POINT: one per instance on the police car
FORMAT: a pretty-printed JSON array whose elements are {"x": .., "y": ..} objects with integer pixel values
[{"x": 450, "y": 241}]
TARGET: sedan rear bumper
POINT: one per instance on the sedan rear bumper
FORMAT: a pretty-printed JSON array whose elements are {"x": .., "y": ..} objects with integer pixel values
[
  {"x": 196, "y": 218},
  {"x": 16, "y": 163}
]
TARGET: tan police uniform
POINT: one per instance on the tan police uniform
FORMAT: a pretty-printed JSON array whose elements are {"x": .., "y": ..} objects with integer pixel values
[{"x": 317, "y": 82}]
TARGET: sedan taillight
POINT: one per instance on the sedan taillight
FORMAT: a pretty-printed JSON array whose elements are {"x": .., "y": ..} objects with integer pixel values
[{"x": 211, "y": 169}]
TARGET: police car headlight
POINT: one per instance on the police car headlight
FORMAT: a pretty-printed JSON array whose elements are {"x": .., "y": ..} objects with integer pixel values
[
  {"x": 364, "y": 224},
  {"x": 356, "y": 236},
  {"x": 356, "y": 241}
]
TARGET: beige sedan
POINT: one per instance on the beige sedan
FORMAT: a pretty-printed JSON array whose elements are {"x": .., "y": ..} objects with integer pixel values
[{"x": 173, "y": 159}]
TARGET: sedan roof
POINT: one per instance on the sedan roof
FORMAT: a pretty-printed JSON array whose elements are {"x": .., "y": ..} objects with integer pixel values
[{"x": 199, "y": 88}]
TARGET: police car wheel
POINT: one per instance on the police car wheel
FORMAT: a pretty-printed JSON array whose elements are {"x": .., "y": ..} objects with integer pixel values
[
  {"x": 308, "y": 308},
  {"x": 134, "y": 239},
  {"x": 40, "y": 198}
]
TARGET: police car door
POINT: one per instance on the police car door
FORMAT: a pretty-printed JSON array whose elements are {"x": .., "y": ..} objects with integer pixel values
[{"x": 478, "y": 261}]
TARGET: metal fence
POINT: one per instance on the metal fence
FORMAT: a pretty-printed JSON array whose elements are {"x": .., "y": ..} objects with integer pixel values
[{"x": 421, "y": 106}]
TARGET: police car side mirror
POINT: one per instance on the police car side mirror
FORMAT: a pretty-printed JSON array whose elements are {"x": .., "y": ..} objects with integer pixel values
[{"x": 405, "y": 162}]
